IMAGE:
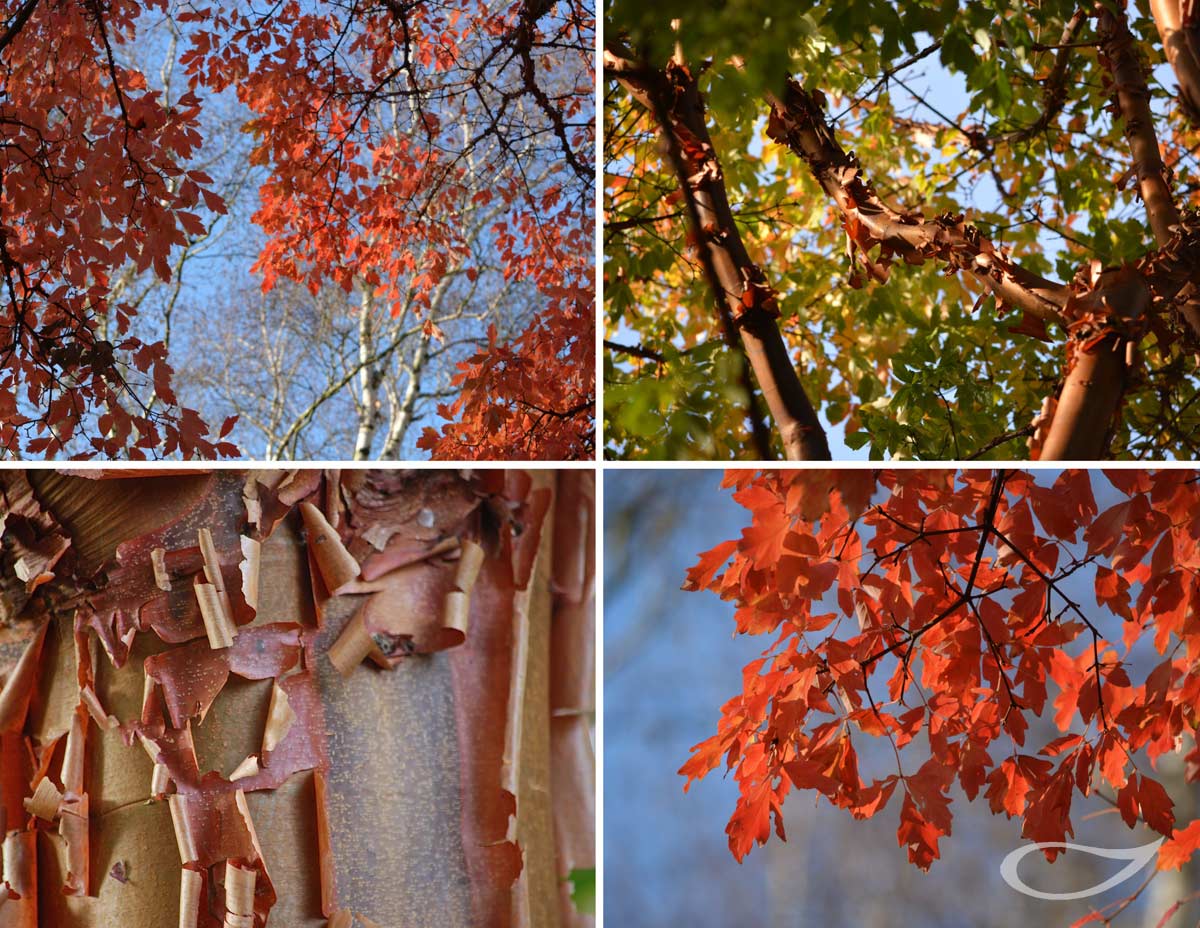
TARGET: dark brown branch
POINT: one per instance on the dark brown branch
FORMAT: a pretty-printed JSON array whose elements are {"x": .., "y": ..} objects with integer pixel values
[
  {"x": 17, "y": 23},
  {"x": 1000, "y": 440},
  {"x": 987, "y": 524},
  {"x": 745, "y": 303},
  {"x": 758, "y": 428},
  {"x": 635, "y": 351},
  {"x": 1054, "y": 88}
]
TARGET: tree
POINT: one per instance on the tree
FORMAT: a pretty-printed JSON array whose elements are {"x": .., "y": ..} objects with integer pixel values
[
  {"x": 939, "y": 610},
  {"x": 374, "y": 131},
  {"x": 269, "y": 697},
  {"x": 944, "y": 230},
  {"x": 318, "y": 378}
]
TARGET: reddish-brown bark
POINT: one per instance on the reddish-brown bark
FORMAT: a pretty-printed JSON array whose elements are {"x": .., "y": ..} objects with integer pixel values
[
  {"x": 744, "y": 299},
  {"x": 162, "y": 746}
]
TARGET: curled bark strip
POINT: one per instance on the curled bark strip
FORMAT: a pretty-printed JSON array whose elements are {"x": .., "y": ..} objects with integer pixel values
[
  {"x": 216, "y": 608},
  {"x": 280, "y": 718},
  {"x": 73, "y": 828},
  {"x": 325, "y": 863},
  {"x": 190, "y": 885},
  {"x": 239, "y": 895},
  {"x": 337, "y": 566},
  {"x": 249, "y": 569},
  {"x": 469, "y": 565},
  {"x": 18, "y": 688},
  {"x": 247, "y": 768},
  {"x": 158, "y": 561},
  {"x": 218, "y": 623},
  {"x": 75, "y": 754},
  {"x": 45, "y": 800},
  {"x": 352, "y": 646}
]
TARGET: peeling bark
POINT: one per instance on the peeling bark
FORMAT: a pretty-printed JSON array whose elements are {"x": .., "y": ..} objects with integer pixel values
[
  {"x": 1105, "y": 311},
  {"x": 149, "y": 778},
  {"x": 744, "y": 299},
  {"x": 1132, "y": 95}
]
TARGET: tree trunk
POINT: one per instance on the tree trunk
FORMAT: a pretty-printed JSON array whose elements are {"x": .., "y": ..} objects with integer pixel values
[
  {"x": 430, "y": 784},
  {"x": 369, "y": 377},
  {"x": 404, "y": 407}
]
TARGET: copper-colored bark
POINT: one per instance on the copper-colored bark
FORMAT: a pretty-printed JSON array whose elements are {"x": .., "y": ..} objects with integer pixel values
[
  {"x": 739, "y": 286},
  {"x": 1133, "y": 101},
  {"x": 354, "y": 793},
  {"x": 1090, "y": 395},
  {"x": 572, "y": 684},
  {"x": 1181, "y": 54},
  {"x": 1102, "y": 316}
]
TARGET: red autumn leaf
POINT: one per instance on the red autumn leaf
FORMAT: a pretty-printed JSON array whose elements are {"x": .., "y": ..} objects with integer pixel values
[
  {"x": 1178, "y": 850},
  {"x": 1157, "y": 809},
  {"x": 700, "y": 576},
  {"x": 916, "y": 834},
  {"x": 102, "y": 180}
]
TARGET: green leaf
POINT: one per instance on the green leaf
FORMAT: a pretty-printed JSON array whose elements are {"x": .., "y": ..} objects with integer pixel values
[{"x": 583, "y": 890}]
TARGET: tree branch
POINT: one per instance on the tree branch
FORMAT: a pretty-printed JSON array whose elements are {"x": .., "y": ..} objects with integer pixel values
[
  {"x": 745, "y": 302},
  {"x": 798, "y": 122},
  {"x": 1132, "y": 96}
]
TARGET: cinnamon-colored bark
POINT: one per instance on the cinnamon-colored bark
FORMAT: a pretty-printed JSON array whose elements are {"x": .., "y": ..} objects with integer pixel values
[
  {"x": 1179, "y": 45},
  {"x": 739, "y": 286},
  {"x": 254, "y": 780},
  {"x": 1103, "y": 315}
]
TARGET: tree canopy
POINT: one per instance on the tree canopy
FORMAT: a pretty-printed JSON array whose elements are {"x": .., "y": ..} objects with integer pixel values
[
  {"x": 946, "y": 612},
  {"x": 924, "y": 230},
  {"x": 373, "y": 132}
]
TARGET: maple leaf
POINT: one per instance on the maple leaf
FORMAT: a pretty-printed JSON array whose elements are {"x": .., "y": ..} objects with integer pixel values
[
  {"x": 1156, "y": 807},
  {"x": 700, "y": 576},
  {"x": 916, "y": 834},
  {"x": 1178, "y": 850}
]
